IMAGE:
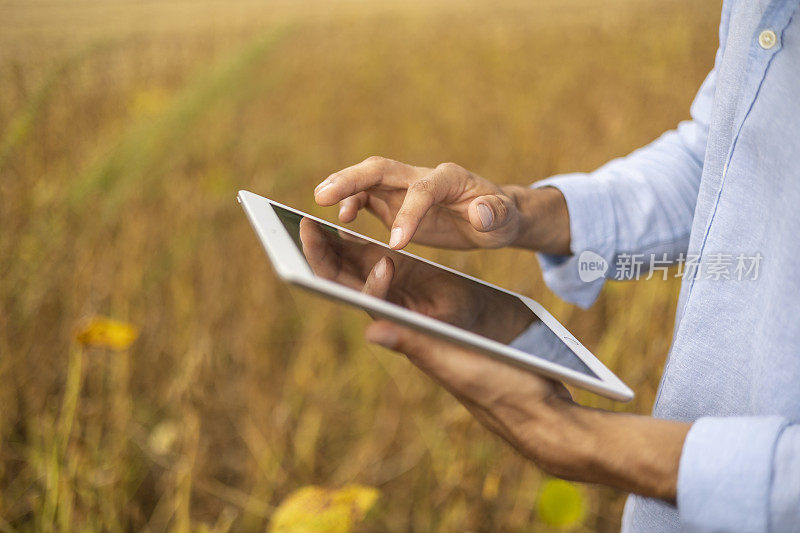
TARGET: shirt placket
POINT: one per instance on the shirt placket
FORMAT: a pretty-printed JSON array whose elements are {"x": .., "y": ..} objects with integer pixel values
[{"x": 765, "y": 43}]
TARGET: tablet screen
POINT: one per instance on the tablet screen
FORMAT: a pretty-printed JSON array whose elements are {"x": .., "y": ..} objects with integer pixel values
[{"x": 419, "y": 286}]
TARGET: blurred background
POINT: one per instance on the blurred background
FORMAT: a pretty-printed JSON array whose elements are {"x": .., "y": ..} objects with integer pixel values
[{"x": 126, "y": 128}]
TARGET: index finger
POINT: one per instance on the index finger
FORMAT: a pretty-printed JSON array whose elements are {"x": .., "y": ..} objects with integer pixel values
[
  {"x": 420, "y": 197},
  {"x": 371, "y": 172}
]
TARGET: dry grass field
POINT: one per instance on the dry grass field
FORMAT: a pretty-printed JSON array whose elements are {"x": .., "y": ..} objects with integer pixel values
[{"x": 126, "y": 128}]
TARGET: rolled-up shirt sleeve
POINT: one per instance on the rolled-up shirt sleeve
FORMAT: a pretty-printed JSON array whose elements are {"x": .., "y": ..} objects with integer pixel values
[
  {"x": 740, "y": 474},
  {"x": 639, "y": 204}
]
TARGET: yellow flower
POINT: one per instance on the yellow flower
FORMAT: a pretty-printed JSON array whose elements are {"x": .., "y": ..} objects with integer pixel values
[
  {"x": 315, "y": 509},
  {"x": 561, "y": 504},
  {"x": 107, "y": 333}
]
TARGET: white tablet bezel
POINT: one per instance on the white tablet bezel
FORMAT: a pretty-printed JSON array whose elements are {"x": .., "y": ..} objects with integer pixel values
[{"x": 290, "y": 265}]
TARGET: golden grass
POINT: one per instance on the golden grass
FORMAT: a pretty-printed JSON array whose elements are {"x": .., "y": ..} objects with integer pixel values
[{"x": 125, "y": 130}]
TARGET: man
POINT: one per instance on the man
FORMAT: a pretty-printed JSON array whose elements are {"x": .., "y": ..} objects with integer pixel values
[{"x": 722, "y": 451}]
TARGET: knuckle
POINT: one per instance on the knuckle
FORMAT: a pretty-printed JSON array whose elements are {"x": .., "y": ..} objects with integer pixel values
[
  {"x": 500, "y": 208},
  {"x": 375, "y": 160},
  {"x": 422, "y": 186},
  {"x": 449, "y": 168}
]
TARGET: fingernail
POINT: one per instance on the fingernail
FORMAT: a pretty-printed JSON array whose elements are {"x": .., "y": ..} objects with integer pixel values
[
  {"x": 322, "y": 186},
  {"x": 385, "y": 337},
  {"x": 485, "y": 214},
  {"x": 395, "y": 237},
  {"x": 380, "y": 268},
  {"x": 341, "y": 211}
]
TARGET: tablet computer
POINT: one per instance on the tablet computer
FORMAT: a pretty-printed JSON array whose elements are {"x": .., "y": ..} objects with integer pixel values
[{"x": 338, "y": 263}]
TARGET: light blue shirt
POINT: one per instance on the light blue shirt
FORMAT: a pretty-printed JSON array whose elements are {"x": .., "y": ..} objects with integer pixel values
[{"x": 724, "y": 184}]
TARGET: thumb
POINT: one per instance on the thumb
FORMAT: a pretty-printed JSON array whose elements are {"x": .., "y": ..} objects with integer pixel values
[{"x": 489, "y": 212}]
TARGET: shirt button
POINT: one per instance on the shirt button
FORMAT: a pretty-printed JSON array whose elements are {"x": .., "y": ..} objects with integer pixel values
[{"x": 767, "y": 39}]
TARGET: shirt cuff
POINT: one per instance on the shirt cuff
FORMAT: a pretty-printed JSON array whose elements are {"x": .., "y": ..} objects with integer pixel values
[
  {"x": 785, "y": 500},
  {"x": 578, "y": 278},
  {"x": 725, "y": 473}
]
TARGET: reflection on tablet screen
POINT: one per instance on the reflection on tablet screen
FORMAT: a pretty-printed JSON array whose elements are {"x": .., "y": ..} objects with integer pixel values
[{"x": 426, "y": 289}]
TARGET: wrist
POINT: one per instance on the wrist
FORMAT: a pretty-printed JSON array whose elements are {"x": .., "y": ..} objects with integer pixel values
[
  {"x": 634, "y": 453},
  {"x": 561, "y": 436},
  {"x": 543, "y": 219}
]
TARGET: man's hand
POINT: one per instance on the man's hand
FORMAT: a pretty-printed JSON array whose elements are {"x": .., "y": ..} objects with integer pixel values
[
  {"x": 538, "y": 417},
  {"x": 448, "y": 206}
]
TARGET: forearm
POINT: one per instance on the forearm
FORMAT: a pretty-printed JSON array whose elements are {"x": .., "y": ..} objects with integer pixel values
[{"x": 634, "y": 453}]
